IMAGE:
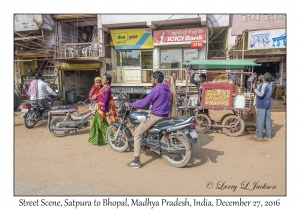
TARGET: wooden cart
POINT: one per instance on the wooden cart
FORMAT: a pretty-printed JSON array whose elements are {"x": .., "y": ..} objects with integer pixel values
[{"x": 218, "y": 96}]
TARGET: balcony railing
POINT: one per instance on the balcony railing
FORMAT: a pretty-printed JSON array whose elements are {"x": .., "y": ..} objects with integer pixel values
[
  {"x": 80, "y": 50},
  {"x": 137, "y": 76}
]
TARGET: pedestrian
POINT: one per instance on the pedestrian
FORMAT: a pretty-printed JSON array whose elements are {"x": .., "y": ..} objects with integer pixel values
[
  {"x": 263, "y": 107},
  {"x": 105, "y": 113},
  {"x": 202, "y": 79},
  {"x": 37, "y": 91},
  {"x": 169, "y": 81},
  {"x": 95, "y": 88},
  {"x": 174, "y": 76}
]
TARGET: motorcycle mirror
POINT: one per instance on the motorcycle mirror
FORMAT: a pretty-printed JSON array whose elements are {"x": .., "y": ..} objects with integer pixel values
[{"x": 148, "y": 91}]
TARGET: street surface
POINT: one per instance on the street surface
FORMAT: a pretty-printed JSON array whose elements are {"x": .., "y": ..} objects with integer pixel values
[{"x": 222, "y": 165}]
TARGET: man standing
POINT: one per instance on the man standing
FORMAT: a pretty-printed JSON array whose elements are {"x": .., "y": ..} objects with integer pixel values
[
  {"x": 263, "y": 105},
  {"x": 159, "y": 97},
  {"x": 174, "y": 76},
  {"x": 202, "y": 79},
  {"x": 38, "y": 91}
]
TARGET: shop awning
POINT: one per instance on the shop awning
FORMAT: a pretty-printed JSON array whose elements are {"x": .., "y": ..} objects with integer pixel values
[
  {"x": 132, "y": 39},
  {"x": 220, "y": 64},
  {"x": 81, "y": 67}
]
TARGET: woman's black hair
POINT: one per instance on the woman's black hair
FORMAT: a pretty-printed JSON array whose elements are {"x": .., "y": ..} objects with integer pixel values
[
  {"x": 158, "y": 75},
  {"x": 108, "y": 77}
]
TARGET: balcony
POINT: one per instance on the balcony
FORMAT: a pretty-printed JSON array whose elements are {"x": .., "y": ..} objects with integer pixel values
[{"x": 82, "y": 51}]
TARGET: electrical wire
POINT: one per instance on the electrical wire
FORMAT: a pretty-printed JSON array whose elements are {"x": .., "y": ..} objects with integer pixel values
[{"x": 163, "y": 22}]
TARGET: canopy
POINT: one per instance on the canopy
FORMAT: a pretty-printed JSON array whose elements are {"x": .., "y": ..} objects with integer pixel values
[{"x": 220, "y": 64}]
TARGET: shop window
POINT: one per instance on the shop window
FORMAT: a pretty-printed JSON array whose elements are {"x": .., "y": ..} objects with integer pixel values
[
  {"x": 190, "y": 54},
  {"x": 173, "y": 58},
  {"x": 128, "y": 58},
  {"x": 170, "y": 58}
]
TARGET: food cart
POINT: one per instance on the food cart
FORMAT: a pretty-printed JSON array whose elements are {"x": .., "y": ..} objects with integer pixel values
[{"x": 221, "y": 95}]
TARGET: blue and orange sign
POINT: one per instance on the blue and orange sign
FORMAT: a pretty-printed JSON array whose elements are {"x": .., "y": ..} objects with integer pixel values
[{"x": 132, "y": 39}]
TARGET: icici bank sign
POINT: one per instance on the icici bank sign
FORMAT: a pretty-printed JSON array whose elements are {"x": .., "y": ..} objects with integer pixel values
[
  {"x": 199, "y": 44},
  {"x": 179, "y": 36}
]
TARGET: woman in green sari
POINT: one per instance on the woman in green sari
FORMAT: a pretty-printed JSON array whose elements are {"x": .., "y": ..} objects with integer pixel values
[{"x": 105, "y": 113}]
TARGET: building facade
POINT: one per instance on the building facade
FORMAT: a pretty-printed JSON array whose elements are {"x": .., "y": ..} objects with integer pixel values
[
  {"x": 71, "y": 50},
  {"x": 263, "y": 38}
]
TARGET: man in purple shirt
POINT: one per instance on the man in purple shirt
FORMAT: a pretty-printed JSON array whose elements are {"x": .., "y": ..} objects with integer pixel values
[{"x": 159, "y": 97}]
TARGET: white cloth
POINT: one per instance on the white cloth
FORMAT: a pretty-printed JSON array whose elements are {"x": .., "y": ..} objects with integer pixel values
[{"x": 42, "y": 87}]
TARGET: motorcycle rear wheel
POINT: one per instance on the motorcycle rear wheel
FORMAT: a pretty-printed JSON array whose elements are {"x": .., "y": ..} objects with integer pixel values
[
  {"x": 185, "y": 154},
  {"x": 30, "y": 119},
  {"x": 56, "y": 132},
  {"x": 118, "y": 145}
]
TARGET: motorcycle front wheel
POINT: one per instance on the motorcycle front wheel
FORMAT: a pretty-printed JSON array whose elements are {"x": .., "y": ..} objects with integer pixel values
[
  {"x": 121, "y": 142},
  {"x": 185, "y": 152},
  {"x": 58, "y": 133},
  {"x": 30, "y": 119}
]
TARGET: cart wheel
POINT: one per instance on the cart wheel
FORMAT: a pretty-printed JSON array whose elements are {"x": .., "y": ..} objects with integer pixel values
[
  {"x": 234, "y": 131},
  {"x": 226, "y": 115},
  {"x": 203, "y": 123}
]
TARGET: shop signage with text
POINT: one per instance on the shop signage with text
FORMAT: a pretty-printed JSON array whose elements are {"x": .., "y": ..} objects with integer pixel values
[
  {"x": 199, "y": 44},
  {"x": 176, "y": 36},
  {"x": 132, "y": 39},
  {"x": 257, "y": 22}
]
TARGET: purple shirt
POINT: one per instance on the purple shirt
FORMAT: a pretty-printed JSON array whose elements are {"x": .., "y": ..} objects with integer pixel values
[
  {"x": 159, "y": 97},
  {"x": 104, "y": 98}
]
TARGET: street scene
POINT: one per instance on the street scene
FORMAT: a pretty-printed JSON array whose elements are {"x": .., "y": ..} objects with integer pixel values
[{"x": 150, "y": 105}]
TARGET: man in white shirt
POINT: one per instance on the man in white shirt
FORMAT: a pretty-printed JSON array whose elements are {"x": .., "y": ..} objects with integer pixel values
[{"x": 39, "y": 92}]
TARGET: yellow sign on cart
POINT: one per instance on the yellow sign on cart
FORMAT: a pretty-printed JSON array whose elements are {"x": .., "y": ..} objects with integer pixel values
[{"x": 132, "y": 39}]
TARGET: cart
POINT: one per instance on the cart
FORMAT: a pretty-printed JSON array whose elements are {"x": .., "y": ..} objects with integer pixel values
[{"x": 219, "y": 96}]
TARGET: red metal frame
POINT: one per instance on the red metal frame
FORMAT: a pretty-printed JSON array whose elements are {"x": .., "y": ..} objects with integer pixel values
[{"x": 206, "y": 86}]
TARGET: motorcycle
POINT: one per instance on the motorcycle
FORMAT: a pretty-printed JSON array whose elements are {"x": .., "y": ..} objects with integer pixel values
[
  {"x": 62, "y": 119},
  {"x": 172, "y": 138},
  {"x": 33, "y": 111}
]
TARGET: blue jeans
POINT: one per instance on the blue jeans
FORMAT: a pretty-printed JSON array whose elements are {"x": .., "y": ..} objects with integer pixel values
[{"x": 263, "y": 120}]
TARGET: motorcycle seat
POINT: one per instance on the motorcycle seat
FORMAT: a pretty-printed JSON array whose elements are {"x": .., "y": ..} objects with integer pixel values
[
  {"x": 64, "y": 107},
  {"x": 32, "y": 102},
  {"x": 170, "y": 121}
]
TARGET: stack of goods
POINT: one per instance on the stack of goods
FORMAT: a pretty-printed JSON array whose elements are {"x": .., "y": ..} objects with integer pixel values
[{"x": 215, "y": 95}]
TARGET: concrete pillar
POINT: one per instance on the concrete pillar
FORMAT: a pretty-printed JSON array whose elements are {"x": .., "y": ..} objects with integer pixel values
[{"x": 101, "y": 45}]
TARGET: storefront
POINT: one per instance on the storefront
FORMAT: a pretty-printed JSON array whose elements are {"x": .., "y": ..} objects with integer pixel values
[
  {"x": 271, "y": 44},
  {"x": 175, "y": 46},
  {"x": 77, "y": 80},
  {"x": 133, "y": 55},
  {"x": 263, "y": 38}
]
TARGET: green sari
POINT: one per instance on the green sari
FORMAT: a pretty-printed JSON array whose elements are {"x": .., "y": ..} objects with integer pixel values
[{"x": 98, "y": 131}]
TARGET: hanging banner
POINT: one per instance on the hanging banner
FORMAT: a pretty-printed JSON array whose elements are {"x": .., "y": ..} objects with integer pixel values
[
  {"x": 132, "y": 39},
  {"x": 179, "y": 36},
  {"x": 267, "y": 39},
  {"x": 27, "y": 22}
]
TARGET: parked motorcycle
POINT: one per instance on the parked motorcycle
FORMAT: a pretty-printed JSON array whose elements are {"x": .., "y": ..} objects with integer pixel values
[
  {"x": 170, "y": 137},
  {"x": 33, "y": 111},
  {"x": 62, "y": 119}
]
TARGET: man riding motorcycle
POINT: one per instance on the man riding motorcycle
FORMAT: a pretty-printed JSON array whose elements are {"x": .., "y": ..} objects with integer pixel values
[
  {"x": 37, "y": 91},
  {"x": 159, "y": 98}
]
